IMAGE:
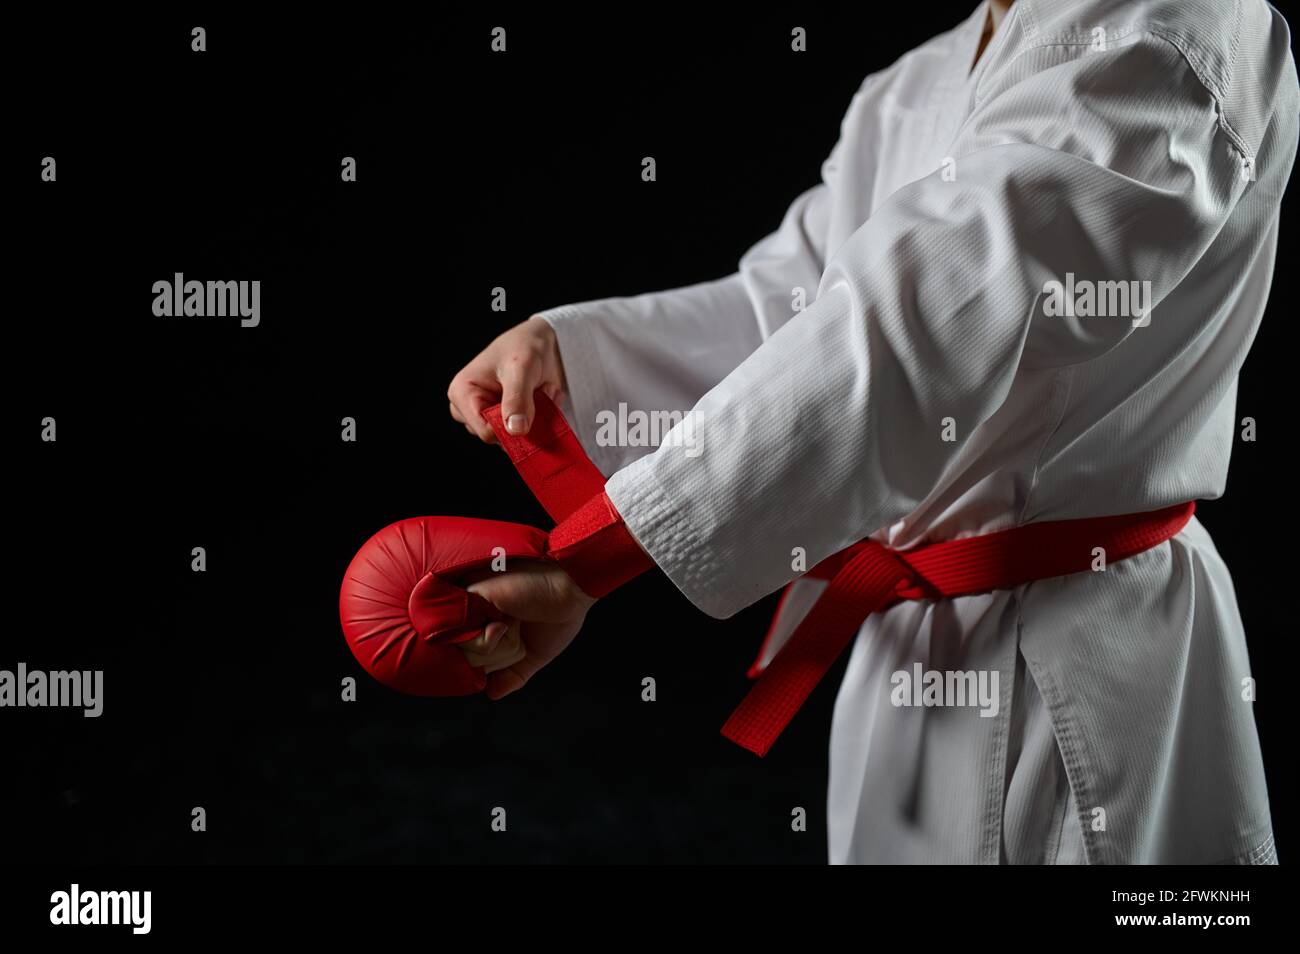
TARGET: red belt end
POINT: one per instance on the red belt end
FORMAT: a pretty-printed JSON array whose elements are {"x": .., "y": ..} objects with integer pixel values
[{"x": 747, "y": 737}]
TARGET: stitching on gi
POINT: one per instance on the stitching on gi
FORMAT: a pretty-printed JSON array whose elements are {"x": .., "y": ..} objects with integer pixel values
[
  {"x": 996, "y": 779},
  {"x": 1026, "y": 8},
  {"x": 1058, "y": 823},
  {"x": 679, "y": 551},
  {"x": 1265, "y": 853},
  {"x": 994, "y": 48},
  {"x": 1213, "y": 88},
  {"x": 1086, "y": 39},
  {"x": 1065, "y": 40},
  {"x": 1193, "y": 58},
  {"x": 1063, "y": 729},
  {"x": 1231, "y": 69}
]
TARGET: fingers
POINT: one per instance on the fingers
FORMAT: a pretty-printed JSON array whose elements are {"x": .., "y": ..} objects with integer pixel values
[
  {"x": 520, "y": 374},
  {"x": 499, "y": 647},
  {"x": 511, "y": 679},
  {"x": 460, "y": 418},
  {"x": 491, "y": 636},
  {"x": 468, "y": 400},
  {"x": 508, "y": 592},
  {"x": 508, "y": 371},
  {"x": 529, "y": 592}
]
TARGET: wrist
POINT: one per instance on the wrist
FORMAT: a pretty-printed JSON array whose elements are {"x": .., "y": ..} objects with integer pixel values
[{"x": 572, "y": 594}]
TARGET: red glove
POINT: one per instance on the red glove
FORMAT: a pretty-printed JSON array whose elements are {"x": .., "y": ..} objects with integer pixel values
[{"x": 403, "y": 604}]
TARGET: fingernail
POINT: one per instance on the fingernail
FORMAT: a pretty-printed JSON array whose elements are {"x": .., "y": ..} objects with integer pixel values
[{"x": 516, "y": 424}]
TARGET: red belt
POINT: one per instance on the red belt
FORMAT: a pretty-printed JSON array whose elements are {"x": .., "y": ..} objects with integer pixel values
[{"x": 868, "y": 577}]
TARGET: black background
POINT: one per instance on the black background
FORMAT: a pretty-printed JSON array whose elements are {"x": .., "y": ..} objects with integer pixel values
[{"x": 222, "y": 689}]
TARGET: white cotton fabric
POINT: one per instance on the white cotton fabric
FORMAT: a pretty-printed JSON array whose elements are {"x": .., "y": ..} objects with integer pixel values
[{"x": 953, "y": 195}]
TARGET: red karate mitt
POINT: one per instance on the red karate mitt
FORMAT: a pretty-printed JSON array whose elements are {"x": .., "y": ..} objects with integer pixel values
[{"x": 403, "y": 604}]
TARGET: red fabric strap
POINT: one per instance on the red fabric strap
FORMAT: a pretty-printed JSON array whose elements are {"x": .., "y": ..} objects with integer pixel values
[
  {"x": 590, "y": 540},
  {"x": 596, "y": 549},
  {"x": 549, "y": 458},
  {"x": 868, "y": 577}
]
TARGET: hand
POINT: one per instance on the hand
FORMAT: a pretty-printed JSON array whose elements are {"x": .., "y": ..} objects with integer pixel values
[
  {"x": 546, "y": 608},
  {"x": 508, "y": 370}
]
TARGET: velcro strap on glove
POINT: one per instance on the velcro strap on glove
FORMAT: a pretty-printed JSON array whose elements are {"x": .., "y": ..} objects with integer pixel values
[
  {"x": 590, "y": 540},
  {"x": 596, "y": 549}
]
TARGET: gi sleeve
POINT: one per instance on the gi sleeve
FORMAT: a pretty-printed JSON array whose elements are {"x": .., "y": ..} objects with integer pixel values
[
  {"x": 1108, "y": 165},
  {"x": 661, "y": 352}
]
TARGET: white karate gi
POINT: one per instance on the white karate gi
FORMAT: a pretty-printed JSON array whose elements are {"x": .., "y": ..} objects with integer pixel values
[{"x": 1110, "y": 140}]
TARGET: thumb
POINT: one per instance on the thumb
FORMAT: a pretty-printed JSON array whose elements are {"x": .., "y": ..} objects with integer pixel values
[
  {"x": 526, "y": 594},
  {"x": 519, "y": 377},
  {"x": 511, "y": 593}
]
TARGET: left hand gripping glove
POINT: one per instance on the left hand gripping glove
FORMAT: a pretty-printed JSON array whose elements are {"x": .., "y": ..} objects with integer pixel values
[{"x": 403, "y": 604}]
